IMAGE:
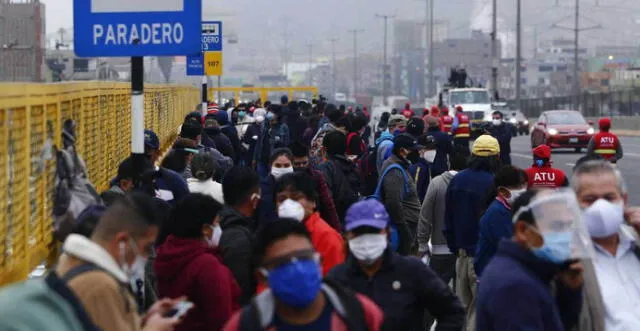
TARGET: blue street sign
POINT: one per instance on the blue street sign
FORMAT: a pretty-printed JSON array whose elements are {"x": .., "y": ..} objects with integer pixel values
[
  {"x": 211, "y": 36},
  {"x": 195, "y": 65},
  {"x": 111, "y": 28}
]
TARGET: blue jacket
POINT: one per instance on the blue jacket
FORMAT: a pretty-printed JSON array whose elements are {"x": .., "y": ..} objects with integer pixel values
[
  {"x": 267, "y": 208},
  {"x": 421, "y": 174},
  {"x": 172, "y": 181},
  {"x": 383, "y": 143},
  {"x": 503, "y": 134},
  {"x": 403, "y": 288},
  {"x": 515, "y": 293},
  {"x": 495, "y": 225},
  {"x": 465, "y": 202},
  {"x": 444, "y": 148}
]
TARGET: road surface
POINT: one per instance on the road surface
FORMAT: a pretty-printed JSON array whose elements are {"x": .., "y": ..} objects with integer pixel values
[{"x": 521, "y": 156}]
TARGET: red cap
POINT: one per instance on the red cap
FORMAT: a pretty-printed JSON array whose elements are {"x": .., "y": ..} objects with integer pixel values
[
  {"x": 407, "y": 105},
  {"x": 458, "y": 108},
  {"x": 604, "y": 123},
  {"x": 542, "y": 152}
]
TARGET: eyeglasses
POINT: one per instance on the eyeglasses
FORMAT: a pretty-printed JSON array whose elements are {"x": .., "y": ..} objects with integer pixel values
[{"x": 302, "y": 255}]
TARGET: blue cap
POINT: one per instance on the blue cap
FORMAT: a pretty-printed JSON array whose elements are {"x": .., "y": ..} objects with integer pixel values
[
  {"x": 151, "y": 139},
  {"x": 366, "y": 213}
]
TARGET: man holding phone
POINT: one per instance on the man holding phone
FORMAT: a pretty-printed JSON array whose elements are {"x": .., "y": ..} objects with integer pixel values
[{"x": 97, "y": 270}]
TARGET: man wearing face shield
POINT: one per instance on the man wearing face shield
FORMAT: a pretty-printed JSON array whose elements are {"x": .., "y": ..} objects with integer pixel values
[
  {"x": 403, "y": 287},
  {"x": 612, "y": 288},
  {"x": 98, "y": 269},
  {"x": 515, "y": 290}
]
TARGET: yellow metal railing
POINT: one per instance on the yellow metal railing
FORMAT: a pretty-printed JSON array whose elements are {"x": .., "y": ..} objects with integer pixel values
[
  {"x": 31, "y": 117},
  {"x": 263, "y": 92}
]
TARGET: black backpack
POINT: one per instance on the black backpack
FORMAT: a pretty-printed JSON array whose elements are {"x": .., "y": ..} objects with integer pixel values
[
  {"x": 354, "y": 319},
  {"x": 368, "y": 169}
]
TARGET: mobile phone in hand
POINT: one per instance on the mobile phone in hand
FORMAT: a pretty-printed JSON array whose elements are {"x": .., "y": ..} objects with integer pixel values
[{"x": 179, "y": 309}]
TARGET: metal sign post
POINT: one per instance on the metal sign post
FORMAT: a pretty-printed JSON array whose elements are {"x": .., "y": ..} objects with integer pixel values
[{"x": 197, "y": 65}]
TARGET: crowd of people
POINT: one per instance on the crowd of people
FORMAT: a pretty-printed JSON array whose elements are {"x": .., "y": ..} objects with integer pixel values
[{"x": 307, "y": 216}]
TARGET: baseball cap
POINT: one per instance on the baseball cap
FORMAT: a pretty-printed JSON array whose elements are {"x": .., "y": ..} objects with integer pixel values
[
  {"x": 151, "y": 139},
  {"x": 542, "y": 152},
  {"x": 415, "y": 126},
  {"x": 406, "y": 141},
  {"x": 397, "y": 119},
  {"x": 485, "y": 145},
  {"x": 429, "y": 142},
  {"x": 366, "y": 213}
]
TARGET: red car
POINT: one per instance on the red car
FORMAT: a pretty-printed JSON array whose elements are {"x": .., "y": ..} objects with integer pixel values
[{"x": 562, "y": 129}]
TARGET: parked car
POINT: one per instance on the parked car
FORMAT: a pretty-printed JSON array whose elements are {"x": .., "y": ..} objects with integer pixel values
[
  {"x": 519, "y": 122},
  {"x": 562, "y": 129}
]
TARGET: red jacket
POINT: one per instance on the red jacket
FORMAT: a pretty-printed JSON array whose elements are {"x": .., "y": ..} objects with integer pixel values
[
  {"x": 188, "y": 267},
  {"x": 447, "y": 123},
  {"x": 408, "y": 113},
  {"x": 605, "y": 144},
  {"x": 546, "y": 177},
  {"x": 327, "y": 242}
]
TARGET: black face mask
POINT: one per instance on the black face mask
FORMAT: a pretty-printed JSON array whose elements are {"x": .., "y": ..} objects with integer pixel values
[{"x": 413, "y": 157}]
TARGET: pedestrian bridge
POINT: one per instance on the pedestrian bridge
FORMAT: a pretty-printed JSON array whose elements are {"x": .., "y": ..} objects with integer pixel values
[{"x": 31, "y": 119}]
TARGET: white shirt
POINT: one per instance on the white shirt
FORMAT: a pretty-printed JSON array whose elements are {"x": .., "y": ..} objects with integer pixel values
[
  {"x": 619, "y": 281},
  {"x": 207, "y": 187}
]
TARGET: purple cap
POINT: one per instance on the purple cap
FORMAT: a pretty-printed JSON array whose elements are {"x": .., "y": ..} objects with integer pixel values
[{"x": 367, "y": 213}]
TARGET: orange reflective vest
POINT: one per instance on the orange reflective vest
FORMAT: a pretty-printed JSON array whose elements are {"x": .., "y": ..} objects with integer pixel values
[
  {"x": 463, "y": 130},
  {"x": 447, "y": 123},
  {"x": 605, "y": 144}
]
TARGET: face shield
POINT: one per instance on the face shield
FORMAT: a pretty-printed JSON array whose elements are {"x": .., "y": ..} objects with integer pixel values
[{"x": 557, "y": 215}]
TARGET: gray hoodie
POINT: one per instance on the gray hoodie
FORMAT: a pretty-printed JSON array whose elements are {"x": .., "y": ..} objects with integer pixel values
[{"x": 431, "y": 222}]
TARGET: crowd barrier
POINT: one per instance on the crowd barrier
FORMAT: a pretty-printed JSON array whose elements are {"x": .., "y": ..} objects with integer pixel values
[{"x": 31, "y": 118}]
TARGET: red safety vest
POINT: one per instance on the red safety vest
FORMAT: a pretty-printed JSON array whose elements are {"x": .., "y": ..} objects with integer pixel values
[
  {"x": 545, "y": 177},
  {"x": 408, "y": 113},
  {"x": 463, "y": 131},
  {"x": 605, "y": 144},
  {"x": 447, "y": 123}
]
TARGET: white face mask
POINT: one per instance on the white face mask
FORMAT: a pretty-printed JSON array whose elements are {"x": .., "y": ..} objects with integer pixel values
[
  {"x": 216, "y": 234},
  {"x": 496, "y": 121},
  {"x": 429, "y": 156},
  {"x": 515, "y": 194},
  {"x": 279, "y": 172},
  {"x": 135, "y": 270},
  {"x": 368, "y": 248},
  {"x": 603, "y": 218},
  {"x": 291, "y": 209}
]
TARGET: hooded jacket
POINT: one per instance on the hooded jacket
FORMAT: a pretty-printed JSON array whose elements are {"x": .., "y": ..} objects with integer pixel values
[
  {"x": 327, "y": 241},
  {"x": 383, "y": 144},
  {"x": 421, "y": 173},
  {"x": 207, "y": 187},
  {"x": 515, "y": 293},
  {"x": 444, "y": 149},
  {"x": 229, "y": 130},
  {"x": 343, "y": 182},
  {"x": 236, "y": 248},
  {"x": 187, "y": 267},
  {"x": 220, "y": 141},
  {"x": 431, "y": 223}
]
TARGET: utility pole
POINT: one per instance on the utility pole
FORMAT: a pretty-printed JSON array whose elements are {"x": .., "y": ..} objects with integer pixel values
[
  {"x": 355, "y": 59},
  {"x": 518, "y": 53},
  {"x": 385, "y": 84},
  {"x": 310, "y": 46},
  {"x": 333, "y": 67},
  {"x": 576, "y": 59},
  {"x": 286, "y": 50},
  {"x": 432, "y": 82},
  {"x": 494, "y": 49}
]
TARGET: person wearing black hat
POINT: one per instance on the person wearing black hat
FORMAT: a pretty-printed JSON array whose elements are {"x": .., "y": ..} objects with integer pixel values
[
  {"x": 415, "y": 127},
  {"x": 444, "y": 147},
  {"x": 402, "y": 201},
  {"x": 421, "y": 170}
]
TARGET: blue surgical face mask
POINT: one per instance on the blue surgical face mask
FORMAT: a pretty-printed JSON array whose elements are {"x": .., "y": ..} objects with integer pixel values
[
  {"x": 556, "y": 247},
  {"x": 297, "y": 283},
  {"x": 270, "y": 116},
  {"x": 396, "y": 132},
  {"x": 539, "y": 163},
  {"x": 241, "y": 114}
]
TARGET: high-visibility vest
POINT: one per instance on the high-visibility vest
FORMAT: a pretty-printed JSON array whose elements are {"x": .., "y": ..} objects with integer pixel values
[
  {"x": 463, "y": 130},
  {"x": 447, "y": 123},
  {"x": 605, "y": 144},
  {"x": 545, "y": 177}
]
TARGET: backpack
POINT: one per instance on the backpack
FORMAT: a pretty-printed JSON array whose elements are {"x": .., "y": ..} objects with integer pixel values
[
  {"x": 45, "y": 304},
  {"x": 73, "y": 191},
  {"x": 347, "y": 190},
  {"x": 368, "y": 169},
  {"x": 393, "y": 235},
  {"x": 354, "y": 319},
  {"x": 349, "y": 138}
]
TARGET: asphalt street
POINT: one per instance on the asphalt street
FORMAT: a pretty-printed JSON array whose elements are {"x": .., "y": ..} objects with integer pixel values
[{"x": 566, "y": 159}]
